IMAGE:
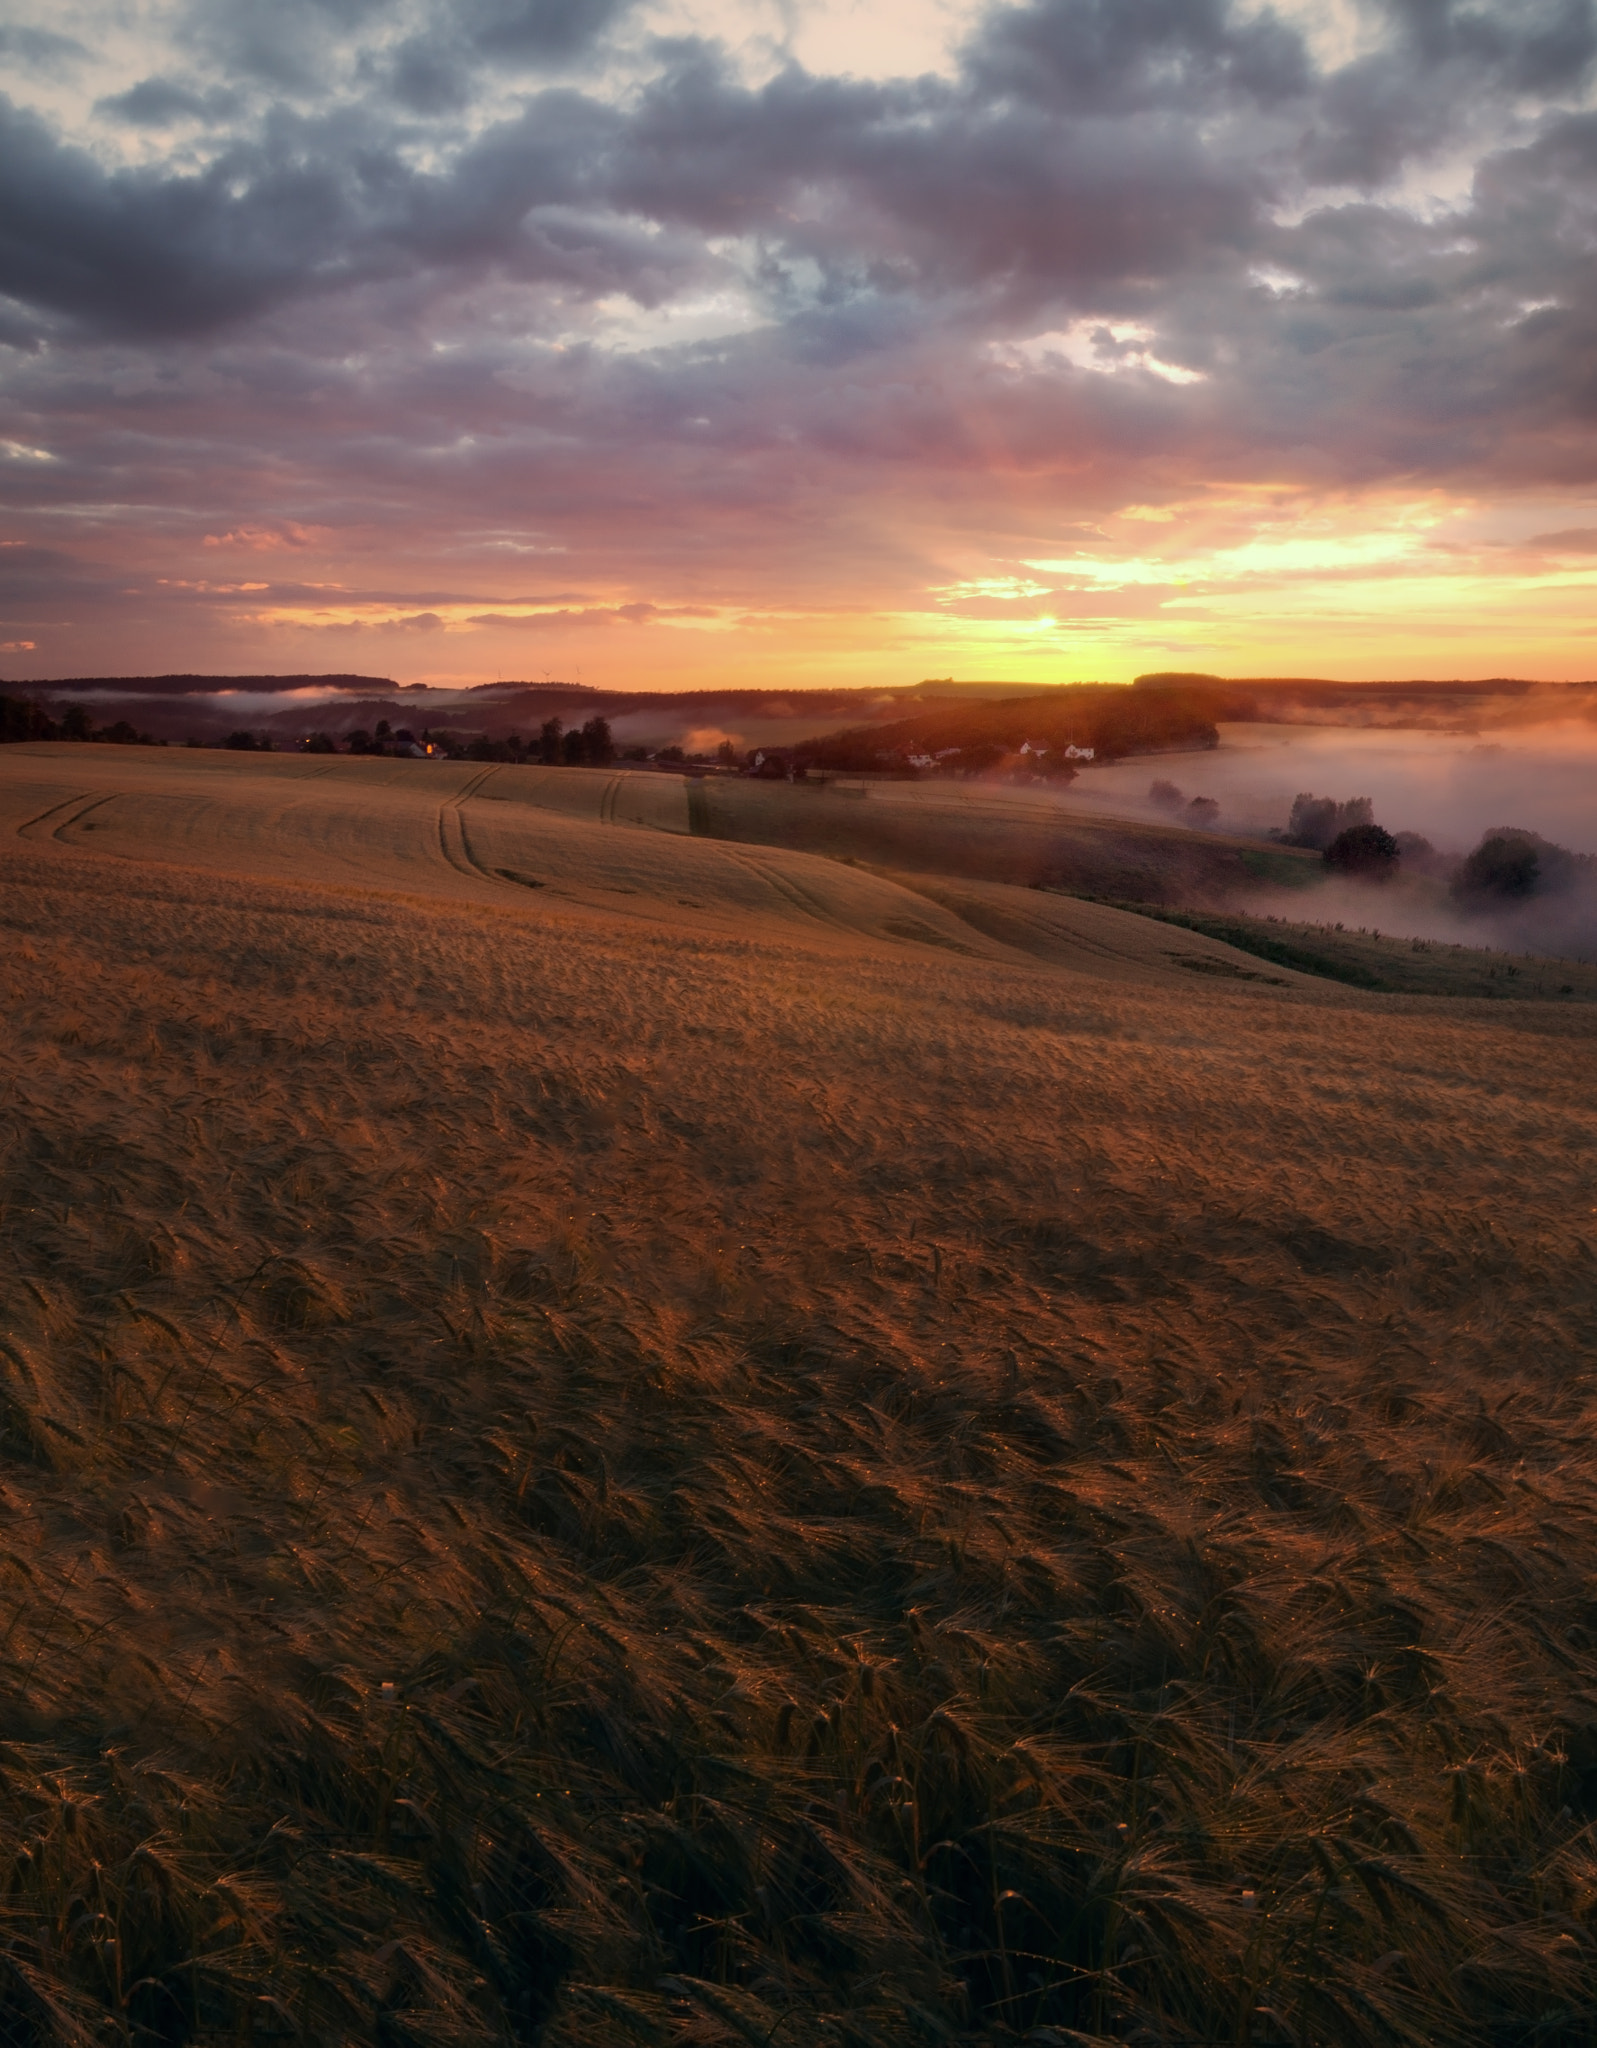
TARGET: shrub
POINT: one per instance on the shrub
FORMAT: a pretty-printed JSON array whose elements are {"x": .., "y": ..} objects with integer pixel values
[
  {"x": 1316, "y": 820},
  {"x": 1511, "y": 864},
  {"x": 1364, "y": 850}
]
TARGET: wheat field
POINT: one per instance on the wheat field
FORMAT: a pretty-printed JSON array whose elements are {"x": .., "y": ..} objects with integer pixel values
[{"x": 608, "y": 1436}]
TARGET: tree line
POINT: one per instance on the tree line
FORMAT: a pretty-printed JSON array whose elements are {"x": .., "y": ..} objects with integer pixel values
[
  {"x": 589, "y": 745},
  {"x": 22, "y": 719}
]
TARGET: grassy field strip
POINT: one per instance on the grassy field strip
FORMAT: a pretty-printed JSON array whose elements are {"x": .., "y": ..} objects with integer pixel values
[
  {"x": 1071, "y": 932},
  {"x": 846, "y": 901},
  {"x": 1000, "y": 836},
  {"x": 1382, "y": 963},
  {"x": 629, "y": 797},
  {"x": 750, "y": 892}
]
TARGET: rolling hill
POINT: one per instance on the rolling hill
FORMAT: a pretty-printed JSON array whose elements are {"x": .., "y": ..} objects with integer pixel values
[{"x": 616, "y": 1434}]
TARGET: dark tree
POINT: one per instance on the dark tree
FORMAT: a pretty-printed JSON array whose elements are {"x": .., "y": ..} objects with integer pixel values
[
  {"x": 1316, "y": 820},
  {"x": 598, "y": 746},
  {"x": 384, "y": 730},
  {"x": 359, "y": 741},
  {"x": 549, "y": 735},
  {"x": 727, "y": 754},
  {"x": 320, "y": 743},
  {"x": 241, "y": 742},
  {"x": 75, "y": 723},
  {"x": 1203, "y": 810},
  {"x": 574, "y": 748},
  {"x": 1364, "y": 850},
  {"x": 121, "y": 734},
  {"x": 21, "y": 719},
  {"x": 1165, "y": 794},
  {"x": 1504, "y": 865}
]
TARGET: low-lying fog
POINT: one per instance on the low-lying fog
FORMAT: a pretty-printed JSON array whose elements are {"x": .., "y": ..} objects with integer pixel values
[{"x": 1451, "y": 788}]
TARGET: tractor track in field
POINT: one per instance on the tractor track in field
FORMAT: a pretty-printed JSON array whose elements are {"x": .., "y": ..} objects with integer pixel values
[
  {"x": 51, "y": 824},
  {"x": 453, "y": 843},
  {"x": 788, "y": 889}
]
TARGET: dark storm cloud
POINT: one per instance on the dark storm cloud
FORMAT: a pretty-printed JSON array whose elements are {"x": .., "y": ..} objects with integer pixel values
[
  {"x": 157, "y": 102},
  {"x": 1532, "y": 46},
  {"x": 535, "y": 31},
  {"x": 289, "y": 45},
  {"x": 374, "y": 306},
  {"x": 908, "y": 189},
  {"x": 143, "y": 252},
  {"x": 39, "y": 49},
  {"x": 1071, "y": 153},
  {"x": 1084, "y": 147},
  {"x": 1098, "y": 57}
]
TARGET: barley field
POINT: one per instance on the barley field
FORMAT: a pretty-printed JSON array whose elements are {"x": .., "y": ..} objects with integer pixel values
[{"x": 612, "y": 1436}]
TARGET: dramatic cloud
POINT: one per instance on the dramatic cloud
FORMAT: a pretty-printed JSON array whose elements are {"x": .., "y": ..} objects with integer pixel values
[{"x": 1116, "y": 331}]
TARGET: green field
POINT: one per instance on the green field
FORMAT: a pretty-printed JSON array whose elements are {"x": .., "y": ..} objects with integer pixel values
[
  {"x": 1035, "y": 837},
  {"x": 1376, "y": 960}
]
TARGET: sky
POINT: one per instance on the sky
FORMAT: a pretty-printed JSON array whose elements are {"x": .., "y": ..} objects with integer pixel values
[{"x": 661, "y": 343}]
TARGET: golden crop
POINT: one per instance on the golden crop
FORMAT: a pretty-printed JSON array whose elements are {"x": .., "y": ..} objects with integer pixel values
[{"x": 722, "y": 1449}]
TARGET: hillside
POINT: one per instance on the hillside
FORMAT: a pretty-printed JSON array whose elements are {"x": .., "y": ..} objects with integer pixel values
[
  {"x": 1113, "y": 722},
  {"x": 612, "y": 1435},
  {"x": 990, "y": 832},
  {"x": 287, "y": 708}
]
